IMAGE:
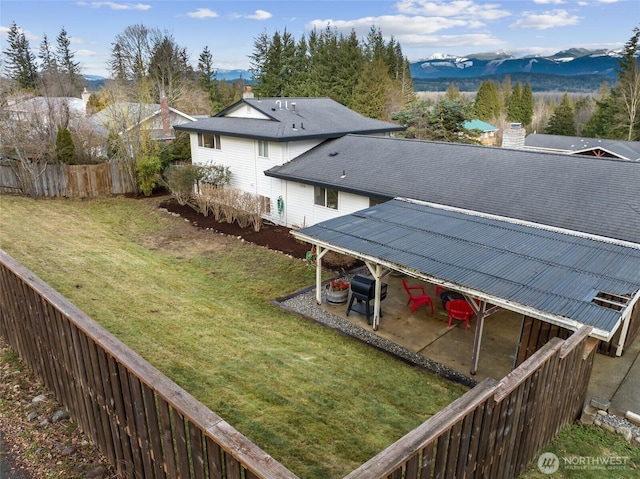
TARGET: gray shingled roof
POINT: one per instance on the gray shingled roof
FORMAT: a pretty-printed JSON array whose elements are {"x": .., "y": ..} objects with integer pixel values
[
  {"x": 628, "y": 150},
  {"x": 292, "y": 119},
  {"x": 593, "y": 195},
  {"x": 542, "y": 273}
]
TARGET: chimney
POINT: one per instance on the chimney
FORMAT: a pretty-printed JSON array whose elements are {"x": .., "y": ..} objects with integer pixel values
[
  {"x": 247, "y": 92},
  {"x": 513, "y": 137},
  {"x": 164, "y": 113},
  {"x": 85, "y": 99}
]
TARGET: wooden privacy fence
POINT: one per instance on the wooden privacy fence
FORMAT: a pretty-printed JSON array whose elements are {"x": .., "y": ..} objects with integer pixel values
[
  {"x": 147, "y": 426},
  {"x": 496, "y": 429},
  {"x": 72, "y": 181}
]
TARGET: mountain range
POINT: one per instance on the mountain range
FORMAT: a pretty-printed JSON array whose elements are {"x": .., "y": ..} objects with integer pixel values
[
  {"x": 576, "y": 69},
  {"x": 576, "y": 61}
]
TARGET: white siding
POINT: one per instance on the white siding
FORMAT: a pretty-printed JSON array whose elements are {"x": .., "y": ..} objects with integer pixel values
[
  {"x": 244, "y": 110},
  {"x": 300, "y": 211}
]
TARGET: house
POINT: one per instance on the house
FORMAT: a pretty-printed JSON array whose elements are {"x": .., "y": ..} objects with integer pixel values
[
  {"x": 487, "y": 132},
  {"x": 257, "y": 134},
  {"x": 157, "y": 119},
  {"x": 576, "y": 145},
  {"x": 596, "y": 196}
]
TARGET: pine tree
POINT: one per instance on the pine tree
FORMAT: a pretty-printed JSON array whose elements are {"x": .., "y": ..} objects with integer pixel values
[
  {"x": 48, "y": 62},
  {"x": 563, "y": 121},
  {"x": 69, "y": 69},
  {"x": 208, "y": 79},
  {"x": 20, "y": 62},
  {"x": 65, "y": 149},
  {"x": 372, "y": 91},
  {"x": 514, "y": 109},
  {"x": 487, "y": 104},
  {"x": 526, "y": 105}
]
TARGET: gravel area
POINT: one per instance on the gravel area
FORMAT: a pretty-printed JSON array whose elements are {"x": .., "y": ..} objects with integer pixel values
[{"x": 304, "y": 304}]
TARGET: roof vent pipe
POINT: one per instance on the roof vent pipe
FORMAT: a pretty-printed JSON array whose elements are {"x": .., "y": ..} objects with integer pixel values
[
  {"x": 279, "y": 103},
  {"x": 293, "y": 105}
]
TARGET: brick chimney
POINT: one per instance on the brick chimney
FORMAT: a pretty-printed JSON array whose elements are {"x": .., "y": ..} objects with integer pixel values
[
  {"x": 247, "y": 92},
  {"x": 164, "y": 113},
  {"x": 513, "y": 137}
]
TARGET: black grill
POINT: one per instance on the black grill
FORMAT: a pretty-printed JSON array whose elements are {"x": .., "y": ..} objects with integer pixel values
[{"x": 363, "y": 291}]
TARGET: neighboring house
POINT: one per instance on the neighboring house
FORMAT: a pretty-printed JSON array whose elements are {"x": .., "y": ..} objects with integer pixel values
[
  {"x": 157, "y": 119},
  {"x": 487, "y": 132},
  {"x": 256, "y": 134},
  {"x": 577, "y": 145},
  {"x": 40, "y": 109}
]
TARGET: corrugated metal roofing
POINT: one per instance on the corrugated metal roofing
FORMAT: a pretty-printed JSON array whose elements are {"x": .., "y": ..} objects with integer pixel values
[
  {"x": 600, "y": 196},
  {"x": 541, "y": 272}
]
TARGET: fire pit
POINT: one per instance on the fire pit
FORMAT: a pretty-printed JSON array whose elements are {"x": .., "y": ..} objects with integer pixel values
[{"x": 363, "y": 293}]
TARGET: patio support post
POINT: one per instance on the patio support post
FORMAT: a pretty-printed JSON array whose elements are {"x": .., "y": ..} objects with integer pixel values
[
  {"x": 481, "y": 314},
  {"x": 319, "y": 254},
  {"x": 376, "y": 302}
]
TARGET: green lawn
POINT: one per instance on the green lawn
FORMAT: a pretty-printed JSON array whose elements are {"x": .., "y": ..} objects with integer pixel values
[{"x": 198, "y": 306}]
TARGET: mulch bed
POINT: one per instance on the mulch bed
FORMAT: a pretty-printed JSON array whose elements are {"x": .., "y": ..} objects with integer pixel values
[{"x": 270, "y": 236}]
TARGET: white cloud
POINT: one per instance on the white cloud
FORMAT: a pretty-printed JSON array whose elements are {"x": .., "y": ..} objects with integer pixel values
[
  {"x": 458, "y": 8},
  {"x": 543, "y": 21},
  {"x": 257, "y": 15},
  {"x": 203, "y": 13},
  {"x": 450, "y": 41},
  {"x": 547, "y": 2},
  {"x": 116, "y": 5},
  {"x": 30, "y": 37}
]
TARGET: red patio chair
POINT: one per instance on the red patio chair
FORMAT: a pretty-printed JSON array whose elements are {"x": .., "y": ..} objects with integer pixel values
[
  {"x": 459, "y": 309},
  {"x": 418, "y": 299}
]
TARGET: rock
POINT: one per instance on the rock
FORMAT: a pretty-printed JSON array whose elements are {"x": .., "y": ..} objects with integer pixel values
[
  {"x": 609, "y": 428},
  {"x": 602, "y": 413},
  {"x": 36, "y": 401},
  {"x": 59, "y": 416},
  {"x": 633, "y": 417},
  {"x": 597, "y": 422},
  {"x": 600, "y": 403},
  {"x": 68, "y": 450},
  {"x": 625, "y": 432},
  {"x": 31, "y": 416},
  {"x": 95, "y": 472},
  {"x": 636, "y": 440}
]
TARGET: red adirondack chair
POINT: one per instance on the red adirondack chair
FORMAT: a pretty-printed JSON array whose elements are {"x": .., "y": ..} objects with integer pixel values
[
  {"x": 459, "y": 309},
  {"x": 417, "y": 296}
]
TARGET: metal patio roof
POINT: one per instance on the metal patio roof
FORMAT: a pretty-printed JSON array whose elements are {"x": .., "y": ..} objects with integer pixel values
[{"x": 543, "y": 272}]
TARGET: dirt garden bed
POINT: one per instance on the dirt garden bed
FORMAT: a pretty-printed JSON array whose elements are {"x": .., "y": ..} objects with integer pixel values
[{"x": 270, "y": 236}]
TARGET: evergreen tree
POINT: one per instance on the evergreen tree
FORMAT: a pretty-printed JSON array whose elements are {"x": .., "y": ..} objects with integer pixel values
[
  {"x": 526, "y": 105},
  {"x": 71, "y": 80},
  {"x": 65, "y": 149},
  {"x": 514, "y": 108},
  {"x": 599, "y": 124},
  {"x": 20, "y": 62},
  {"x": 167, "y": 68},
  {"x": 563, "y": 121},
  {"x": 48, "y": 62},
  {"x": 371, "y": 93},
  {"x": 487, "y": 104},
  {"x": 208, "y": 79}
]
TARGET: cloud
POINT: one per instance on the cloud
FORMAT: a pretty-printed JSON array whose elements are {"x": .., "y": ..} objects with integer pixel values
[
  {"x": 458, "y": 8},
  {"x": 257, "y": 15},
  {"x": 450, "y": 41},
  {"x": 116, "y": 5},
  {"x": 30, "y": 37},
  {"x": 547, "y": 2},
  {"x": 543, "y": 21},
  {"x": 203, "y": 13}
]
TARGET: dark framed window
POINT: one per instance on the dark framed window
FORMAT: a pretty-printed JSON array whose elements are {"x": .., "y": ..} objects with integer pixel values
[
  {"x": 209, "y": 140},
  {"x": 325, "y": 197}
]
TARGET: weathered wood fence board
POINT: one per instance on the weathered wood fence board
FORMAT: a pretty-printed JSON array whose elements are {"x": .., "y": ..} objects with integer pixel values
[
  {"x": 72, "y": 181},
  {"x": 496, "y": 429},
  {"x": 147, "y": 426}
]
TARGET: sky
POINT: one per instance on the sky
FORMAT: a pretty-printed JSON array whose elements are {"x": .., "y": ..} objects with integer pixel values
[{"x": 423, "y": 28}]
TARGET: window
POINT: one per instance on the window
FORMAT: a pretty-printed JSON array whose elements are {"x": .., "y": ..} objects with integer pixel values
[
  {"x": 209, "y": 140},
  {"x": 325, "y": 197},
  {"x": 263, "y": 148}
]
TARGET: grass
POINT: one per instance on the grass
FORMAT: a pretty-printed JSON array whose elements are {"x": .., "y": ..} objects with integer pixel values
[
  {"x": 198, "y": 306},
  {"x": 583, "y": 452}
]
